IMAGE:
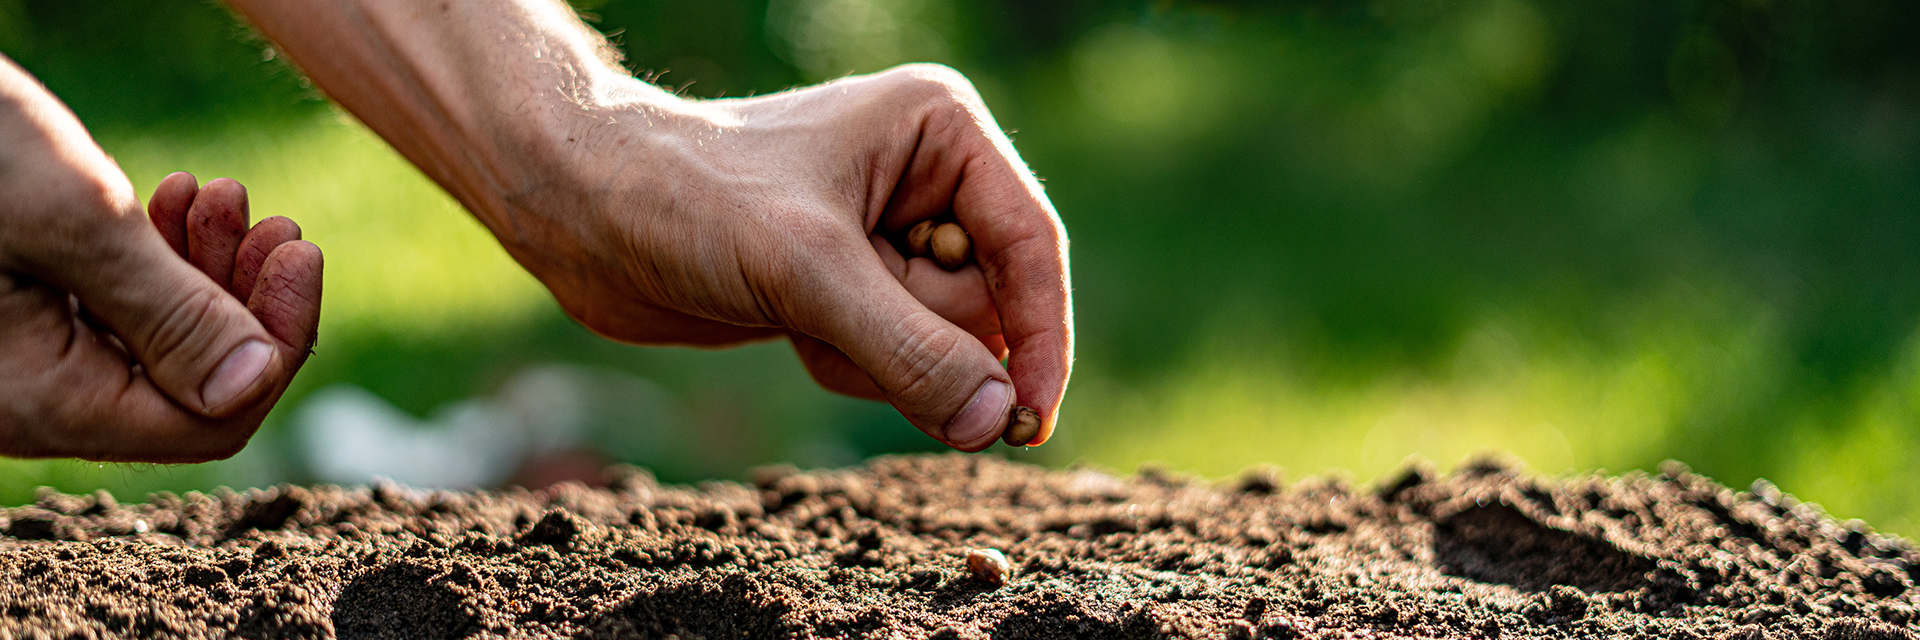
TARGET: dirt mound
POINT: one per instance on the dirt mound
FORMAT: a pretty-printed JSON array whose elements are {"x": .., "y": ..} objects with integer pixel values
[{"x": 876, "y": 552}]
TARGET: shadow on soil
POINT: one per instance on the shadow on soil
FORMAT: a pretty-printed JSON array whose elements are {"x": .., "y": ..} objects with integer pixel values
[
  {"x": 731, "y": 608},
  {"x": 1068, "y": 621},
  {"x": 398, "y": 601},
  {"x": 1498, "y": 544}
]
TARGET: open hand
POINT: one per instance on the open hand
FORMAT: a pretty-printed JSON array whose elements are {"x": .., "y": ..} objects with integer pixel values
[{"x": 126, "y": 337}]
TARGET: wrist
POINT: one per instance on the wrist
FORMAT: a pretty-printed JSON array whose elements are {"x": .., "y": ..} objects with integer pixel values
[{"x": 589, "y": 163}]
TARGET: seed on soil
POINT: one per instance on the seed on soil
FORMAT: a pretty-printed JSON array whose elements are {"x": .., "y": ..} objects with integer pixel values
[
  {"x": 989, "y": 566},
  {"x": 920, "y": 238},
  {"x": 1022, "y": 428},
  {"x": 951, "y": 247}
]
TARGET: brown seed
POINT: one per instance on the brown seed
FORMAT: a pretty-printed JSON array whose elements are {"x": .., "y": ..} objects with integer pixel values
[
  {"x": 920, "y": 239},
  {"x": 1022, "y": 428},
  {"x": 951, "y": 247},
  {"x": 989, "y": 566}
]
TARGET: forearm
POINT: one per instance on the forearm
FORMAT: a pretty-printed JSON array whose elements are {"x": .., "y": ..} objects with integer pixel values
[{"x": 485, "y": 96}]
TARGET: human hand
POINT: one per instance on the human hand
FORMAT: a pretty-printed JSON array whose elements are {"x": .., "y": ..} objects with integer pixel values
[
  {"x": 660, "y": 220},
  {"x": 129, "y": 338},
  {"x": 715, "y": 222}
]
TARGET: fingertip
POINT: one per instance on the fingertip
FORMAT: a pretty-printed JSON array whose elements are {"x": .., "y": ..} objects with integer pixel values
[
  {"x": 227, "y": 186},
  {"x": 279, "y": 222},
  {"x": 259, "y": 242},
  {"x": 167, "y": 209},
  {"x": 984, "y": 417},
  {"x": 931, "y": 370},
  {"x": 243, "y": 374},
  {"x": 1047, "y": 422},
  {"x": 286, "y": 296},
  {"x": 215, "y": 225}
]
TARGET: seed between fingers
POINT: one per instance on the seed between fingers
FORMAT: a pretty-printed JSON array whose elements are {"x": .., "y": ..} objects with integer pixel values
[
  {"x": 920, "y": 238},
  {"x": 951, "y": 246},
  {"x": 1022, "y": 428}
]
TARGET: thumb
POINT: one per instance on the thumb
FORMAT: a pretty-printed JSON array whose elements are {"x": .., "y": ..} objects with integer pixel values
[
  {"x": 197, "y": 342},
  {"x": 941, "y": 378}
]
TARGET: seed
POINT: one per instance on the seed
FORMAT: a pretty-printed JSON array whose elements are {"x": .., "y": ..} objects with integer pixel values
[
  {"x": 920, "y": 238},
  {"x": 989, "y": 566},
  {"x": 951, "y": 247},
  {"x": 1023, "y": 428}
]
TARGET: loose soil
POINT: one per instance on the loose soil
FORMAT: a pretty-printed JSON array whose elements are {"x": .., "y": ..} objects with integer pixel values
[{"x": 878, "y": 552}]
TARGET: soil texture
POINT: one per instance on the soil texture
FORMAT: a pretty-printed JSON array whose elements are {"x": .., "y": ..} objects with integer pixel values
[{"x": 880, "y": 552}]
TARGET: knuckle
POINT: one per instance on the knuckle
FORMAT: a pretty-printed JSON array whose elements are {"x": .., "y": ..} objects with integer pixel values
[
  {"x": 179, "y": 329},
  {"x": 933, "y": 83},
  {"x": 916, "y": 366},
  {"x": 1038, "y": 242}
]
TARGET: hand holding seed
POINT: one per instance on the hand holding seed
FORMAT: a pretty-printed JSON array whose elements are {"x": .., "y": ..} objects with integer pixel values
[
  {"x": 951, "y": 247},
  {"x": 920, "y": 238},
  {"x": 945, "y": 242},
  {"x": 1023, "y": 428}
]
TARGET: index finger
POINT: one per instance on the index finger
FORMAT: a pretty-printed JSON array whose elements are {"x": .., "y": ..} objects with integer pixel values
[{"x": 1021, "y": 246}]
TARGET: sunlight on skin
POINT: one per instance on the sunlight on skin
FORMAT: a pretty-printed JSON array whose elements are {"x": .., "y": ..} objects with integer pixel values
[{"x": 402, "y": 259}]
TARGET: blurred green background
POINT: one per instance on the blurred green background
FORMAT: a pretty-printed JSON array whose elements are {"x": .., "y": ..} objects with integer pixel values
[{"x": 1325, "y": 235}]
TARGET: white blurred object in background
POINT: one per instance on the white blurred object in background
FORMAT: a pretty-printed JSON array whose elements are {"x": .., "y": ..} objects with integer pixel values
[{"x": 351, "y": 436}]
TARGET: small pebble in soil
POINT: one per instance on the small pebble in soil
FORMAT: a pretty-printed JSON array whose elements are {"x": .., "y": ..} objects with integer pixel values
[
  {"x": 1022, "y": 428},
  {"x": 989, "y": 566}
]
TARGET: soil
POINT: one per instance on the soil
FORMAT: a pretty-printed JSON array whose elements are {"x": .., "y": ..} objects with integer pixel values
[{"x": 878, "y": 552}]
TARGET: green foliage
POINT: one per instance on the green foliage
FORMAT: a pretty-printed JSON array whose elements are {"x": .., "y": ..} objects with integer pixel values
[
  {"x": 129, "y": 65},
  {"x": 1329, "y": 234}
]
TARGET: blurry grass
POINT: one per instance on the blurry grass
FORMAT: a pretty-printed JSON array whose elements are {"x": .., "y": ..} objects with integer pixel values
[{"x": 1677, "y": 376}]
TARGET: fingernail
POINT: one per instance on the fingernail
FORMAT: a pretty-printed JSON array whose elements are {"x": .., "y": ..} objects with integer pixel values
[
  {"x": 986, "y": 412},
  {"x": 236, "y": 374}
]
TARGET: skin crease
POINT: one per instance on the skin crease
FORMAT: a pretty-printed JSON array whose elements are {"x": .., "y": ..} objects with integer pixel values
[
  {"x": 656, "y": 219},
  {"x": 112, "y": 320}
]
